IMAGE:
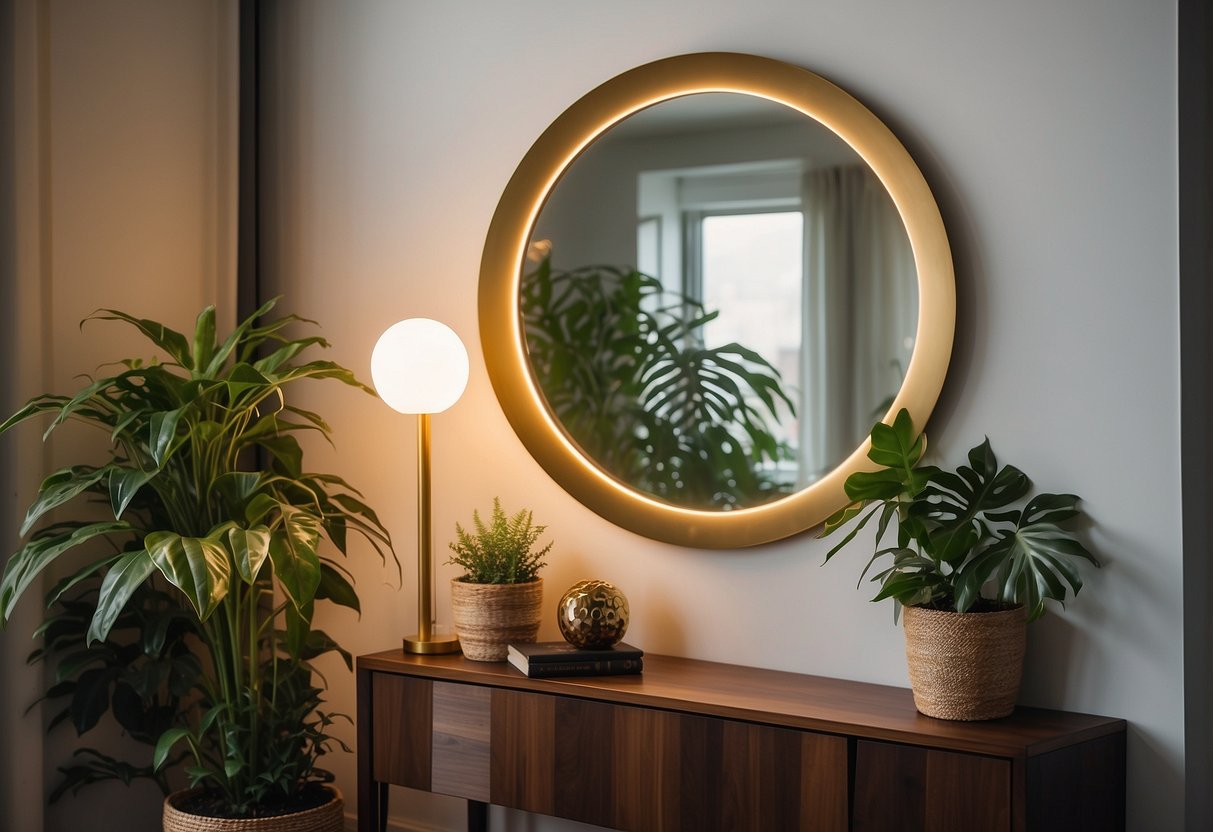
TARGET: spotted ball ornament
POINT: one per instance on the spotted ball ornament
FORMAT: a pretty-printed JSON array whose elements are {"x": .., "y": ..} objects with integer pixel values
[{"x": 593, "y": 615}]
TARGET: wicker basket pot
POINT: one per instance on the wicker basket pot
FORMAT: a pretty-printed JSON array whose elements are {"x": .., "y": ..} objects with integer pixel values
[
  {"x": 327, "y": 818},
  {"x": 965, "y": 666},
  {"x": 490, "y": 617}
]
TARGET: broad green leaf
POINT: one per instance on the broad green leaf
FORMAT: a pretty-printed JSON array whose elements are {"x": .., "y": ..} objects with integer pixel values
[
  {"x": 204, "y": 341},
  {"x": 885, "y": 484},
  {"x": 125, "y": 421},
  {"x": 165, "y": 744},
  {"x": 197, "y": 566},
  {"x": 120, "y": 583},
  {"x": 840, "y": 519},
  {"x": 124, "y": 484},
  {"x": 230, "y": 343},
  {"x": 273, "y": 361},
  {"x": 315, "y": 418},
  {"x": 897, "y": 445},
  {"x": 85, "y": 572},
  {"x": 336, "y": 588},
  {"x": 908, "y": 587},
  {"x": 92, "y": 697},
  {"x": 261, "y": 510},
  {"x": 172, "y": 342},
  {"x": 973, "y": 574},
  {"x": 36, "y": 555},
  {"x": 250, "y": 548},
  {"x": 324, "y": 369},
  {"x": 72, "y": 664},
  {"x": 162, "y": 430},
  {"x": 298, "y": 625},
  {"x": 60, "y": 487},
  {"x": 236, "y": 487},
  {"x": 1039, "y": 557},
  {"x": 212, "y": 714},
  {"x": 851, "y": 534},
  {"x": 957, "y": 503},
  {"x": 286, "y": 452},
  {"x": 244, "y": 378},
  {"x": 293, "y": 553},
  {"x": 76, "y": 402},
  {"x": 318, "y": 642},
  {"x": 38, "y": 404},
  {"x": 1050, "y": 508},
  {"x": 156, "y": 635}
]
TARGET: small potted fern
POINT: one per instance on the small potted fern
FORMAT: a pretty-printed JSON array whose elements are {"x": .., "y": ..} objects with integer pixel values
[{"x": 499, "y": 601}]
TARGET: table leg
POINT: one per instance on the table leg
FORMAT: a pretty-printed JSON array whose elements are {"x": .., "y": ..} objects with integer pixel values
[
  {"x": 478, "y": 816},
  {"x": 371, "y": 794},
  {"x": 381, "y": 824}
]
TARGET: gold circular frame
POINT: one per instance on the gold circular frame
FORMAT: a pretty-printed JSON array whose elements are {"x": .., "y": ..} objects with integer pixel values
[{"x": 509, "y": 233}]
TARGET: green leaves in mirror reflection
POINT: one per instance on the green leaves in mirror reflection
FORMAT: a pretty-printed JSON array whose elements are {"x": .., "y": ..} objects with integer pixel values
[
  {"x": 962, "y": 532},
  {"x": 623, "y": 367}
]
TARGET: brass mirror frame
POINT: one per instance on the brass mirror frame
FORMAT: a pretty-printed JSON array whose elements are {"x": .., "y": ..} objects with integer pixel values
[{"x": 501, "y": 331}]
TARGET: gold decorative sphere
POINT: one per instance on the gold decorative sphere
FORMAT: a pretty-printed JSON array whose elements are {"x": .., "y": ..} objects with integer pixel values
[{"x": 593, "y": 615}]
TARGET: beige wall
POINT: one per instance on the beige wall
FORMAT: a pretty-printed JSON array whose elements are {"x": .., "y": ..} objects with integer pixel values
[
  {"x": 123, "y": 121},
  {"x": 1048, "y": 133}
]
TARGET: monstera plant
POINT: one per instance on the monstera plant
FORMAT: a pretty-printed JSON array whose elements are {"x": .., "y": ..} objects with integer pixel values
[
  {"x": 622, "y": 364},
  {"x": 976, "y": 555},
  {"x": 207, "y": 499},
  {"x": 959, "y": 532}
]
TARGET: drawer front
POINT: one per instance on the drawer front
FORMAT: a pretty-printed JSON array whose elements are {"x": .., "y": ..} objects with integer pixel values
[
  {"x": 910, "y": 789},
  {"x": 402, "y": 709},
  {"x": 638, "y": 768}
]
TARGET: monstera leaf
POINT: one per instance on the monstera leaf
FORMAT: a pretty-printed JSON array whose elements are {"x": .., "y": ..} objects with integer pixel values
[{"x": 1029, "y": 561}]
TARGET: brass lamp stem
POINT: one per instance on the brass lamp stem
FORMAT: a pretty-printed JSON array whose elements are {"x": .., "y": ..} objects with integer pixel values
[{"x": 425, "y": 641}]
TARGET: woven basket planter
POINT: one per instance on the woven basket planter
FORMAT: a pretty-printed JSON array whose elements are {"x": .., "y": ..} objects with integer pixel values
[
  {"x": 965, "y": 666},
  {"x": 327, "y": 818},
  {"x": 490, "y": 617}
]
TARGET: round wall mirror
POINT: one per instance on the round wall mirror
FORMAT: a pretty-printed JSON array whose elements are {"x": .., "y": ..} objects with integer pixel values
[{"x": 702, "y": 286}]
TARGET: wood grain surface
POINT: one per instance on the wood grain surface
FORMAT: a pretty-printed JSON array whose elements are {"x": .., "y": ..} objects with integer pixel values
[
  {"x": 775, "y": 697},
  {"x": 460, "y": 743},
  {"x": 691, "y": 745}
]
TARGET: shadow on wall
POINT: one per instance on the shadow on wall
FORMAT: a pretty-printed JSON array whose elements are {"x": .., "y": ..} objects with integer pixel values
[{"x": 1066, "y": 651}]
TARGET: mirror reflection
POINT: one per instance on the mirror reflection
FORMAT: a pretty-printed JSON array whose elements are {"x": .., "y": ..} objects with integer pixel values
[{"x": 719, "y": 299}]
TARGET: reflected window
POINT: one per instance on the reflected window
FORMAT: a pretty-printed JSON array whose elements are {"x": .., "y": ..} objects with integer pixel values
[
  {"x": 648, "y": 246},
  {"x": 751, "y": 264}
]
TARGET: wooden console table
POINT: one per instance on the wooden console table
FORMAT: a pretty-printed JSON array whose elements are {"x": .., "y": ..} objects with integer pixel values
[{"x": 694, "y": 745}]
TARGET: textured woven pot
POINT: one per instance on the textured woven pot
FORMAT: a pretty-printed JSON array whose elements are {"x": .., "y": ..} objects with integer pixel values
[
  {"x": 327, "y": 818},
  {"x": 490, "y": 617},
  {"x": 965, "y": 666}
]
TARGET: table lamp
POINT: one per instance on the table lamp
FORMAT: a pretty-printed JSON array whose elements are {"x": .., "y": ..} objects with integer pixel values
[{"x": 420, "y": 366}]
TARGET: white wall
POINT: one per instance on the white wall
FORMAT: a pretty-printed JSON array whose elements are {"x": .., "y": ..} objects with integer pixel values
[{"x": 1048, "y": 133}]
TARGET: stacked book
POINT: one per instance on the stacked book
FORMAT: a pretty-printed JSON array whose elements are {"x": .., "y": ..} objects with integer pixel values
[{"x": 559, "y": 658}]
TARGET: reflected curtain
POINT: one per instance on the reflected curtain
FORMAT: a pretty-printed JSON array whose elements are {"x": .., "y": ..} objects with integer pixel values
[{"x": 860, "y": 311}]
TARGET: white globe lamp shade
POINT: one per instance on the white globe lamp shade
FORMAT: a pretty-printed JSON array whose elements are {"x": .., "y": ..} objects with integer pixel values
[{"x": 419, "y": 366}]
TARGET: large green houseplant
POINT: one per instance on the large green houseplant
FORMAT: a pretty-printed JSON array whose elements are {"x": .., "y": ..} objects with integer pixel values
[
  {"x": 974, "y": 550},
  {"x": 206, "y": 496},
  {"x": 498, "y": 600}
]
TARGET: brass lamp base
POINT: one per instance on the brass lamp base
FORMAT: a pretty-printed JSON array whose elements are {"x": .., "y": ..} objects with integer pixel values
[{"x": 432, "y": 646}]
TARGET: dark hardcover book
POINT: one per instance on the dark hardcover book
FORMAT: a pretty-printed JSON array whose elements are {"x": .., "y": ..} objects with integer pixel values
[
  {"x": 583, "y": 667},
  {"x": 562, "y": 651}
]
